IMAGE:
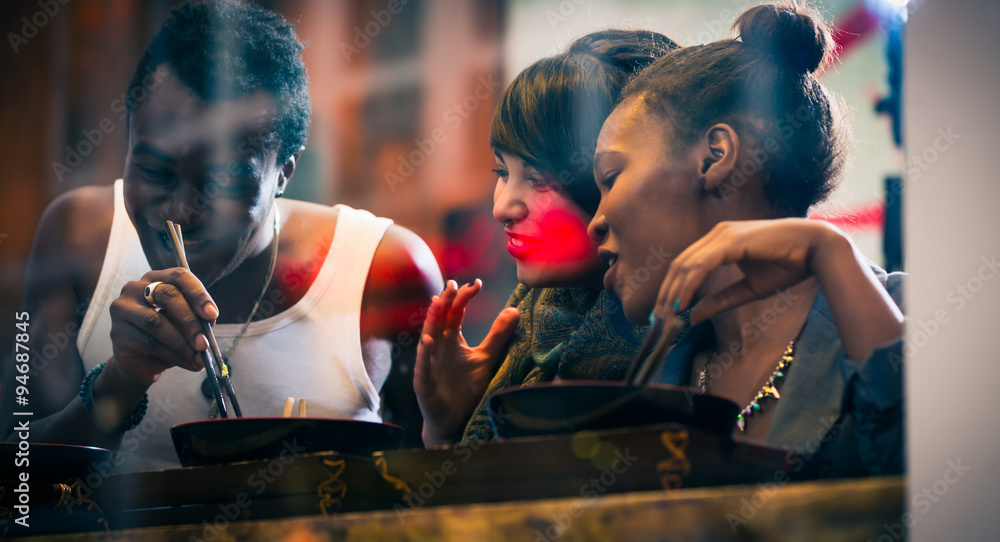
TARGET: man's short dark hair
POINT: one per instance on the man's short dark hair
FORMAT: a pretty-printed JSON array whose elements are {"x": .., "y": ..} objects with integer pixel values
[{"x": 225, "y": 50}]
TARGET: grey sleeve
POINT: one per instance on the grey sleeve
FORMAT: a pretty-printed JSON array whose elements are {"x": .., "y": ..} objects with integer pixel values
[{"x": 873, "y": 396}]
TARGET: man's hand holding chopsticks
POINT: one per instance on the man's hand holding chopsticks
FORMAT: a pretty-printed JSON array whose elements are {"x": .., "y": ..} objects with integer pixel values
[{"x": 151, "y": 334}]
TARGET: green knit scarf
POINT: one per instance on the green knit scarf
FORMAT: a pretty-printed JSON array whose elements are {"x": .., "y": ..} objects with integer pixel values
[{"x": 575, "y": 333}]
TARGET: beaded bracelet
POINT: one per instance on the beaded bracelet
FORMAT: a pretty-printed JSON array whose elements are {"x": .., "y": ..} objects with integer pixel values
[{"x": 87, "y": 398}]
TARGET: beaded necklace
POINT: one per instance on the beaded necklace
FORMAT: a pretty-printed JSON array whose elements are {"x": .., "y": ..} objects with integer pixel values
[
  {"x": 768, "y": 390},
  {"x": 206, "y": 385}
]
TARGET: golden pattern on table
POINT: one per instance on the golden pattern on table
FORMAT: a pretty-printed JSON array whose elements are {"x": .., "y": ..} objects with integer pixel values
[
  {"x": 69, "y": 496},
  {"x": 327, "y": 489},
  {"x": 397, "y": 483},
  {"x": 79, "y": 498},
  {"x": 673, "y": 469}
]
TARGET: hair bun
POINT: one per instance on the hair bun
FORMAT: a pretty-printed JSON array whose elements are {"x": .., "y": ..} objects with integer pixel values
[{"x": 795, "y": 37}]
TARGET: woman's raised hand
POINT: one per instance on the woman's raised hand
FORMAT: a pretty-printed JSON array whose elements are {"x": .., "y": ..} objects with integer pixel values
[
  {"x": 777, "y": 254},
  {"x": 450, "y": 377},
  {"x": 147, "y": 341},
  {"x": 771, "y": 254}
]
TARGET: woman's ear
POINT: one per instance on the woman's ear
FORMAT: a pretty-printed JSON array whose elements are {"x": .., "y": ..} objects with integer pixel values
[{"x": 718, "y": 154}]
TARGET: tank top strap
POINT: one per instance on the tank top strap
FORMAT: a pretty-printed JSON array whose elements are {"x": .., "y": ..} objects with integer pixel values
[
  {"x": 346, "y": 267},
  {"x": 123, "y": 261}
]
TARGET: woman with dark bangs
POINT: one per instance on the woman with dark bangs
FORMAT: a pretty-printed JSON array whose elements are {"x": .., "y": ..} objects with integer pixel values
[{"x": 560, "y": 323}]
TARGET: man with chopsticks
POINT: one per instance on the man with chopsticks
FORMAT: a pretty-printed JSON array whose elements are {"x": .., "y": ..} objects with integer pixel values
[{"x": 288, "y": 286}]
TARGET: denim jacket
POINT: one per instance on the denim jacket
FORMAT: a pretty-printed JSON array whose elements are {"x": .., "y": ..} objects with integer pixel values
[{"x": 843, "y": 419}]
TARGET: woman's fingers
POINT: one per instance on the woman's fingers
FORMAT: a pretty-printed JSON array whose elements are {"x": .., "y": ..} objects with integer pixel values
[
  {"x": 439, "y": 350},
  {"x": 447, "y": 299},
  {"x": 669, "y": 302},
  {"x": 695, "y": 271},
  {"x": 432, "y": 350},
  {"x": 771, "y": 255},
  {"x": 434, "y": 321},
  {"x": 422, "y": 373},
  {"x": 457, "y": 312},
  {"x": 437, "y": 313},
  {"x": 690, "y": 269},
  {"x": 500, "y": 333},
  {"x": 730, "y": 297},
  {"x": 660, "y": 307}
]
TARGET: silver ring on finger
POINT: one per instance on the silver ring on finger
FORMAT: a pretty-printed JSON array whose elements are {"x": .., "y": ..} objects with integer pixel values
[{"x": 148, "y": 294}]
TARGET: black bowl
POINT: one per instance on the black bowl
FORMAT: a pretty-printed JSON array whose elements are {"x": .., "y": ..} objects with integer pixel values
[
  {"x": 229, "y": 440},
  {"x": 570, "y": 406},
  {"x": 52, "y": 463}
]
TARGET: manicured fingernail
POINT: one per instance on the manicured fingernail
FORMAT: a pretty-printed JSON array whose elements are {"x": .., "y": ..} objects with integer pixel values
[
  {"x": 211, "y": 310},
  {"x": 652, "y": 318},
  {"x": 472, "y": 283},
  {"x": 677, "y": 305},
  {"x": 200, "y": 342}
]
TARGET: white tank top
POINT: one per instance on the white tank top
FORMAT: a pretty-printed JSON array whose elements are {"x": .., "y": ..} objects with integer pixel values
[{"x": 312, "y": 350}]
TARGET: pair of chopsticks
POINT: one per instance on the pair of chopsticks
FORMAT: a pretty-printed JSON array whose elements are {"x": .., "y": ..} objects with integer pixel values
[
  {"x": 215, "y": 365},
  {"x": 659, "y": 341},
  {"x": 288, "y": 407}
]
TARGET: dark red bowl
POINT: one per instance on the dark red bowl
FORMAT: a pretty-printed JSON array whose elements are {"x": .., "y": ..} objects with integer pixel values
[
  {"x": 52, "y": 463},
  {"x": 571, "y": 406},
  {"x": 229, "y": 440}
]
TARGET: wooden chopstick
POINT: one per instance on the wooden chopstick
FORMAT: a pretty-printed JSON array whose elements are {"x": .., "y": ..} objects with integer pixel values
[
  {"x": 663, "y": 346},
  {"x": 178, "y": 238},
  {"x": 647, "y": 346},
  {"x": 289, "y": 403},
  {"x": 214, "y": 369}
]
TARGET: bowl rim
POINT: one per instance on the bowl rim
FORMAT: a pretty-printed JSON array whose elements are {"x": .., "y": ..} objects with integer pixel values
[
  {"x": 611, "y": 384},
  {"x": 57, "y": 445},
  {"x": 304, "y": 418},
  {"x": 705, "y": 401}
]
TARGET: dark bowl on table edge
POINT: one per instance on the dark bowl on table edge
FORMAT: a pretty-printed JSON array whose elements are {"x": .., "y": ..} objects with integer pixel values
[
  {"x": 230, "y": 440},
  {"x": 567, "y": 407},
  {"x": 52, "y": 463}
]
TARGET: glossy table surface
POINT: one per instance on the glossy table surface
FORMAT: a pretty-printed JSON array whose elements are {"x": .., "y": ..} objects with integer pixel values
[
  {"x": 828, "y": 510},
  {"x": 663, "y": 481}
]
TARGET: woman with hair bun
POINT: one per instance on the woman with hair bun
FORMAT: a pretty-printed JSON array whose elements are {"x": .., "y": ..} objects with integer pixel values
[
  {"x": 559, "y": 323},
  {"x": 714, "y": 155}
]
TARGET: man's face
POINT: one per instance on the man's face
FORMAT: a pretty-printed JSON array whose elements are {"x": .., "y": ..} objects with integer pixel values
[{"x": 209, "y": 167}]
